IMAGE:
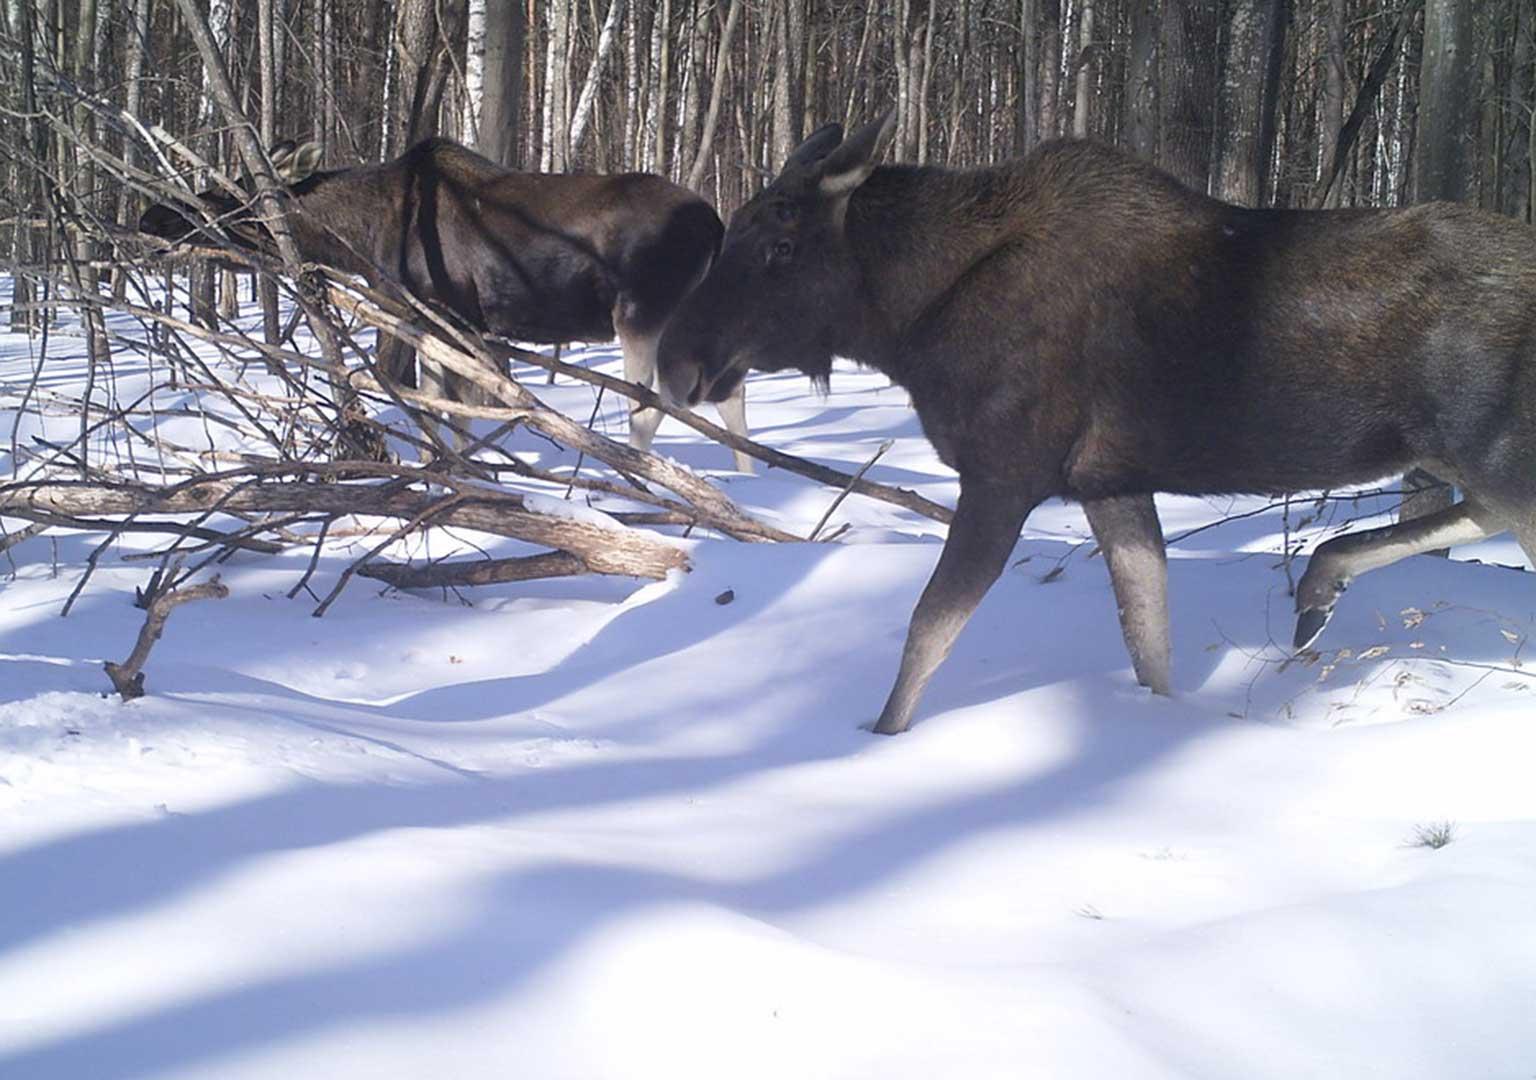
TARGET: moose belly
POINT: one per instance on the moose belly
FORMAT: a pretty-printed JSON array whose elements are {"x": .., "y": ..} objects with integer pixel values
[
  {"x": 578, "y": 308},
  {"x": 1232, "y": 450}
]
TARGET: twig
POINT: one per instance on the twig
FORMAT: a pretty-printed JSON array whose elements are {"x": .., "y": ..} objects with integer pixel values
[
  {"x": 314, "y": 559},
  {"x": 128, "y": 677},
  {"x": 438, "y": 508},
  {"x": 909, "y": 500},
  {"x": 848, "y": 487}
]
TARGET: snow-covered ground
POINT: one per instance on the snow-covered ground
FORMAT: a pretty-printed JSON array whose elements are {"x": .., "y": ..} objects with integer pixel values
[{"x": 600, "y": 828}]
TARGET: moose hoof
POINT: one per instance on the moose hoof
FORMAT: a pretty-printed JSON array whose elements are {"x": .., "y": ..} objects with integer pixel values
[
  {"x": 1309, "y": 624},
  {"x": 887, "y": 726}
]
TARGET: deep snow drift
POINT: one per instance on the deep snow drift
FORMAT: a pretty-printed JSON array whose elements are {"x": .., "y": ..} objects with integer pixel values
[{"x": 605, "y": 828}]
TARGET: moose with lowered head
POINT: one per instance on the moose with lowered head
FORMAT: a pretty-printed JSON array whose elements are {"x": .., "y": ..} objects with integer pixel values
[
  {"x": 535, "y": 257},
  {"x": 1080, "y": 324}
]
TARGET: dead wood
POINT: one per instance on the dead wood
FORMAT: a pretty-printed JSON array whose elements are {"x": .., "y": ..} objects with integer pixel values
[
  {"x": 713, "y": 507},
  {"x": 479, "y": 572},
  {"x": 601, "y": 549},
  {"x": 128, "y": 677},
  {"x": 909, "y": 500}
]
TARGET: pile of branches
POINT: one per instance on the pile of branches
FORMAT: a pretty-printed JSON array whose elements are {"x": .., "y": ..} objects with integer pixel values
[
  {"x": 300, "y": 438},
  {"x": 306, "y": 452}
]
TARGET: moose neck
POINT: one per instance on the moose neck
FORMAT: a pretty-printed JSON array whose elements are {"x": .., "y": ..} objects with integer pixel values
[
  {"x": 341, "y": 219},
  {"x": 914, "y": 232}
]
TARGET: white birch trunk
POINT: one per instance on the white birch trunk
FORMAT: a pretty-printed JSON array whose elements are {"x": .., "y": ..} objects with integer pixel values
[
  {"x": 605, "y": 40},
  {"x": 474, "y": 69},
  {"x": 632, "y": 89},
  {"x": 1084, "y": 71}
]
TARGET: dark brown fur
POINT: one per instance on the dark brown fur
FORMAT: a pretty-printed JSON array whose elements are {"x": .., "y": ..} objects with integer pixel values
[
  {"x": 538, "y": 257},
  {"x": 1079, "y": 324},
  {"x": 531, "y": 256}
]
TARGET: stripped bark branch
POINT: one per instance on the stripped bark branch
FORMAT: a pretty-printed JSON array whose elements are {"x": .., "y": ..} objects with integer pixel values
[{"x": 128, "y": 677}]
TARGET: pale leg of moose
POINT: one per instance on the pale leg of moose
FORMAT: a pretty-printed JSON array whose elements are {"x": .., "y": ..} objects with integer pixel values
[
  {"x": 733, "y": 414},
  {"x": 1131, "y": 537},
  {"x": 981, "y": 537},
  {"x": 1338, "y": 561},
  {"x": 640, "y": 367}
]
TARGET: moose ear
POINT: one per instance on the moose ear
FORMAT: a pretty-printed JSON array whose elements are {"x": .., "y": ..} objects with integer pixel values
[
  {"x": 305, "y": 160},
  {"x": 850, "y": 164},
  {"x": 281, "y": 154},
  {"x": 817, "y": 145}
]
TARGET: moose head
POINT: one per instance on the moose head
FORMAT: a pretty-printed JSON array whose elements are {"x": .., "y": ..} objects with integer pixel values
[
  {"x": 292, "y": 163},
  {"x": 784, "y": 292}
]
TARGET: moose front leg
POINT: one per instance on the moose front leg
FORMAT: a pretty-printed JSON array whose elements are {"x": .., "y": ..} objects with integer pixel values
[
  {"x": 986, "y": 525},
  {"x": 733, "y": 413},
  {"x": 1131, "y": 538}
]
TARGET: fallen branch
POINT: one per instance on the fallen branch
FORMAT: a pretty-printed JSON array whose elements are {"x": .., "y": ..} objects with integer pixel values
[
  {"x": 479, "y": 572},
  {"x": 602, "y": 549},
  {"x": 128, "y": 677},
  {"x": 713, "y": 507},
  {"x": 909, "y": 500},
  {"x": 83, "y": 524},
  {"x": 11, "y": 539}
]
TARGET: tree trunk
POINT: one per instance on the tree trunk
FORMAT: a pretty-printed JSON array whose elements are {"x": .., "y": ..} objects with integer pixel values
[
  {"x": 474, "y": 69},
  {"x": 501, "y": 103},
  {"x": 1334, "y": 60},
  {"x": 784, "y": 139},
  {"x": 1189, "y": 43},
  {"x": 1447, "y": 82},
  {"x": 1444, "y": 154},
  {"x": 605, "y": 42},
  {"x": 661, "y": 162},
  {"x": 1247, "y": 107},
  {"x": 1050, "y": 69},
  {"x": 137, "y": 40},
  {"x": 1080, "y": 105},
  {"x": 1139, "y": 114},
  {"x": 1027, "y": 126},
  {"x": 271, "y": 323},
  {"x": 87, "y": 58},
  {"x": 717, "y": 90}
]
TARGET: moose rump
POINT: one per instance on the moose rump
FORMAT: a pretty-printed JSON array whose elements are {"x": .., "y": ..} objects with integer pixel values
[
  {"x": 536, "y": 257},
  {"x": 1079, "y": 324}
]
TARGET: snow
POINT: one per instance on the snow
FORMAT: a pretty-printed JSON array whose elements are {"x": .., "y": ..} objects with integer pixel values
[{"x": 605, "y": 828}]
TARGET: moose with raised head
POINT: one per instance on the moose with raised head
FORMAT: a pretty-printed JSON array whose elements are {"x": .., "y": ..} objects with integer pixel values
[
  {"x": 535, "y": 257},
  {"x": 1080, "y": 324}
]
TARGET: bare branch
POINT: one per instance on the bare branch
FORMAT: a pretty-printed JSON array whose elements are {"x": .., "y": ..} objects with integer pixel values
[{"x": 128, "y": 677}]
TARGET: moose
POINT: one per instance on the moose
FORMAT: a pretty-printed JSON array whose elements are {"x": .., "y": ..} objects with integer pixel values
[
  {"x": 1079, "y": 324},
  {"x": 535, "y": 257}
]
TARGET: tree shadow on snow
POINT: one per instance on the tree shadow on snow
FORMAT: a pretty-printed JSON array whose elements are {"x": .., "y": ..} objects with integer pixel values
[
  {"x": 1027, "y": 634},
  {"x": 526, "y": 919}
]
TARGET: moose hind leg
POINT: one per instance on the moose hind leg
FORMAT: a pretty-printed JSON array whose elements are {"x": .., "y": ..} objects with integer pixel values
[
  {"x": 1131, "y": 537},
  {"x": 1337, "y": 562},
  {"x": 640, "y": 367},
  {"x": 986, "y": 524}
]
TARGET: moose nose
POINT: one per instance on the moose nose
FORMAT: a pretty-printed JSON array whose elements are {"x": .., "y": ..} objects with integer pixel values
[{"x": 683, "y": 383}]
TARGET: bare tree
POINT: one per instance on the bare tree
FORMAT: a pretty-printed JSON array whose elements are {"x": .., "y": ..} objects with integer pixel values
[
  {"x": 501, "y": 105},
  {"x": 1447, "y": 83},
  {"x": 583, "y": 113}
]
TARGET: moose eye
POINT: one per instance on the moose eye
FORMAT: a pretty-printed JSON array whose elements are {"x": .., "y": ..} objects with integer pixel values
[
  {"x": 785, "y": 211},
  {"x": 781, "y": 251}
]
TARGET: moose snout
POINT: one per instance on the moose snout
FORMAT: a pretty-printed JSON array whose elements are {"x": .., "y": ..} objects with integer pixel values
[
  {"x": 683, "y": 382},
  {"x": 162, "y": 221}
]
